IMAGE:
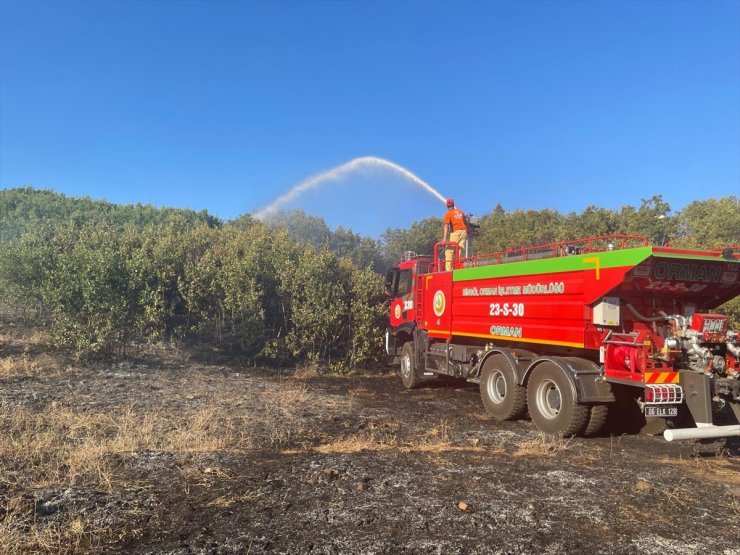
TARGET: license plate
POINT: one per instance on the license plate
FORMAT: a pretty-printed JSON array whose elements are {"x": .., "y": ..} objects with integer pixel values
[{"x": 662, "y": 411}]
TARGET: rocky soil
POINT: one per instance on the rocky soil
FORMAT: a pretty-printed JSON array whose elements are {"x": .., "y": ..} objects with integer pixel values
[{"x": 171, "y": 455}]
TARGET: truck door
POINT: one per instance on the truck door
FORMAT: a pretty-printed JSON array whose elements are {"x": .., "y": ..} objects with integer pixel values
[{"x": 402, "y": 301}]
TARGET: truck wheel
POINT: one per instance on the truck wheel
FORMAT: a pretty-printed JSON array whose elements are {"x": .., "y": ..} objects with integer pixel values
[
  {"x": 409, "y": 372},
  {"x": 503, "y": 398},
  {"x": 596, "y": 420},
  {"x": 552, "y": 405}
]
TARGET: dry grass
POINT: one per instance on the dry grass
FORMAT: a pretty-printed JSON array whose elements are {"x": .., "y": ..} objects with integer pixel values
[
  {"x": 378, "y": 437},
  {"x": 226, "y": 501},
  {"x": 70, "y": 534},
  {"x": 28, "y": 352},
  {"x": 357, "y": 391},
  {"x": 305, "y": 372},
  {"x": 367, "y": 441},
  {"x": 542, "y": 446},
  {"x": 481, "y": 416},
  {"x": 30, "y": 337},
  {"x": 677, "y": 494},
  {"x": 354, "y": 444},
  {"x": 28, "y": 365},
  {"x": 720, "y": 468},
  {"x": 60, "y": 446},
  {"x": 384, "y": 437},
  {"x": 438, "y": 435},
  {"x": 638, "y": 515},
  {"x": 280, "y": 416},
  {"x": 65, "y": 445}
]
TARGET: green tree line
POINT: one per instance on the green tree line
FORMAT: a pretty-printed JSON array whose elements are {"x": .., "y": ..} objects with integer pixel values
[
  {"x": 105, "y": 278},
  {"x": 25, "y": 208}
]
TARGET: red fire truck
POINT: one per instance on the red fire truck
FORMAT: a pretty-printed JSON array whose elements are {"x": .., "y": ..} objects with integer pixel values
[{"x": 565, "y": 330}]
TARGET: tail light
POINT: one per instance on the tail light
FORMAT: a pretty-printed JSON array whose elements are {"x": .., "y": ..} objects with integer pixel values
[{"x": 663, "y": 394}]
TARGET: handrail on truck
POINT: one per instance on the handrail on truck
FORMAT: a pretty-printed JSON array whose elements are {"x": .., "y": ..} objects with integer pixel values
[
  {"x": 438, "y": 266},
  {"x": 600, "y": 243}
]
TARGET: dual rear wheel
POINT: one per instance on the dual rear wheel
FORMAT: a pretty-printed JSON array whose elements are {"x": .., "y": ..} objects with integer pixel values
[
  {"x": 502, "y": 396},
  {"x": 553, "y": 404},
  {"x": 549, "y": 395}
]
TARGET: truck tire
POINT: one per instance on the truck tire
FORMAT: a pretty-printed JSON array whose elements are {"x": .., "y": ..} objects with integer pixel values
[
  {"x": 409, "y": 371},
  {"x": 596, "y": 419},
  {"x": 502, "y": 396},
  {"x": 552, "y": 403}
]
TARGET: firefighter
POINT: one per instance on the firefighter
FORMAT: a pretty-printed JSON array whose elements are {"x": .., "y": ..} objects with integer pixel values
[{"x": 456, "y": 223}]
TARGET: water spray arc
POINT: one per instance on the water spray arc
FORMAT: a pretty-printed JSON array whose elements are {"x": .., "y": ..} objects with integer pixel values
[{"x": 339, "y": 172}]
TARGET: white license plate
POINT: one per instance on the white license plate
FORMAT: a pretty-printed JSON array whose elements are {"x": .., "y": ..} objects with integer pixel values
[{"x": 662, "y": 411}]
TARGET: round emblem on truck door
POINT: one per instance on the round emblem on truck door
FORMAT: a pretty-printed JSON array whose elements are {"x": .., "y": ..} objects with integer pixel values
[
  {"x": 438, "y": 303},
  {"x": 397, "y": 311}
]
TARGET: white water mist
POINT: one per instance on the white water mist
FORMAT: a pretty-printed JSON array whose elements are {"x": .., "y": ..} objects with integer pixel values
[{"x": 339, "y": 172}]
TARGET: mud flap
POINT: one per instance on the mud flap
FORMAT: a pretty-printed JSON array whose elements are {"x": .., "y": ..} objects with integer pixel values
[
  {"x": 585, "y": 377},
  {"x": 698, "y": 395},
  {"x": 736, "y": 410}
]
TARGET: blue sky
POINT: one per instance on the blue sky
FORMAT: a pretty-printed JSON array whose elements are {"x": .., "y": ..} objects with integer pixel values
[{"x": 226, "y": 105}]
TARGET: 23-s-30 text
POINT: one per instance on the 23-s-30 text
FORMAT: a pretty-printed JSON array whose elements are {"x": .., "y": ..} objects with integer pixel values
[{"x": 506, "y": 309}]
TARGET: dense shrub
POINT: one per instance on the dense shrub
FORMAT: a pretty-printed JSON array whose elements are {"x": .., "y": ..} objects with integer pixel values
[{"x": 246, "y": 288}]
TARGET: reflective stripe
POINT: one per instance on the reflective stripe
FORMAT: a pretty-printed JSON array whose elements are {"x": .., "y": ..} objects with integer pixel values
[{"x": 661, "y": 377}]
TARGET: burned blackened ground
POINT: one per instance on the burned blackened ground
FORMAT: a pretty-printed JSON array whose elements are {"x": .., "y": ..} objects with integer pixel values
[{"x": 172, "y": 456}]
